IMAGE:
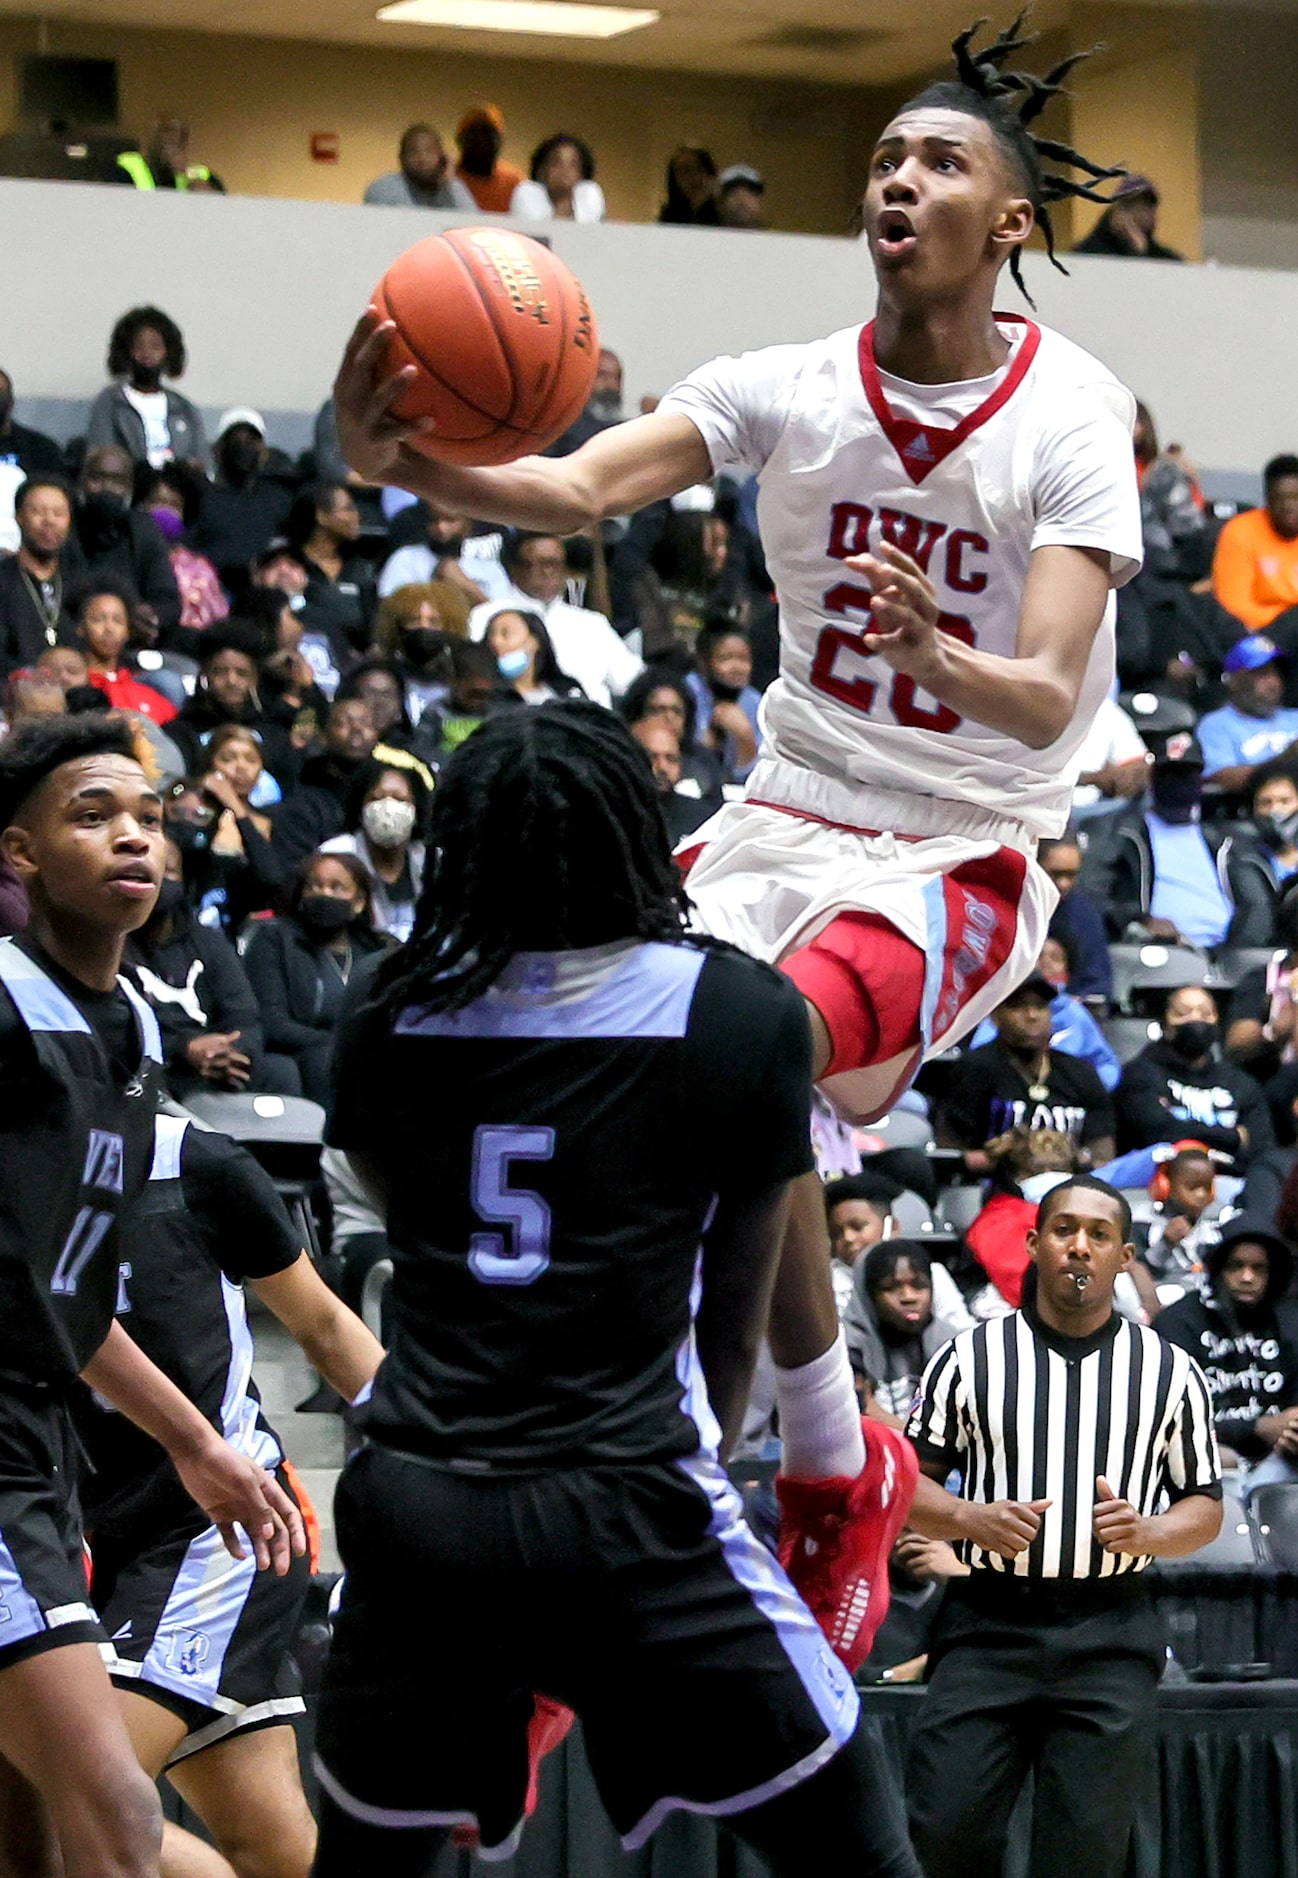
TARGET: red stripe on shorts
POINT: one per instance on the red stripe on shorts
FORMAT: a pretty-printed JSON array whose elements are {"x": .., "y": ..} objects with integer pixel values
[{"x": 982, "y": 915}]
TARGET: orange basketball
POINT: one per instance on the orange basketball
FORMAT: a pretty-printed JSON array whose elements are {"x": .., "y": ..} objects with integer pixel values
[{"x": 503, "y": 337}]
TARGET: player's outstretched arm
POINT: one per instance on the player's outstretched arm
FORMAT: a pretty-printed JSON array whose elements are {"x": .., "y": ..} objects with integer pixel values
[
  {"x": 740, "y": 1256},
  {"x": 333, "y": 1338},
  {"x": 1031, "y": 697},
  {"x": 232, "y": 1490},
  {"x": 618, "y": 471}
]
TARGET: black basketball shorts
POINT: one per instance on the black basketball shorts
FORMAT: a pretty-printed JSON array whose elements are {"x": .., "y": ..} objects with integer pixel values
[
  {"x": 635, "y": 1595},
  {"x": 44, "y": 1596},
  {"x": 207, "y": 1635}
]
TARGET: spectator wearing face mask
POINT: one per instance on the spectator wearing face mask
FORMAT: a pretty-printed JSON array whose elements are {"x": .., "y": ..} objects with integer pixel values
[
  {"x": 474, "y": 693},
  {"x": 172, "y": 496},
  {"x": 387, "y": 809},
  {"x": 1161, "y": 873},
  {"x": 152, "y": 424},
  {"x": 415, "y": 627},
  {"x": 1179, "y": 1086},
  {"x": 585, "y": 645},
  {"x": 525, "y": 657},
  {"x": 1273, "y": 791},
  {"x": 244, "y": 507},
  {"x": 113, "y": 541},
  {"x": 300, "y": 965}
]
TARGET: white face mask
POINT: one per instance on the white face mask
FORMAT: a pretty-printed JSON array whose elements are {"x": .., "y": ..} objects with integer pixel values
[{"x": 388, "y": 822}]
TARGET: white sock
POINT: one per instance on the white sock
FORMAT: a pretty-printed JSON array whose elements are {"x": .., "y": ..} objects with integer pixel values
[{"x": 820, "y": 1417}]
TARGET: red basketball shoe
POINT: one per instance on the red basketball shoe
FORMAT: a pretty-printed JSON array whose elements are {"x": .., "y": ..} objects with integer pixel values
[{"x": 836, "y": 1536}]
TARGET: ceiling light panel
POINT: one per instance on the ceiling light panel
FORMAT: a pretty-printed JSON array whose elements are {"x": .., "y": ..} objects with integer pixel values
[{"x": 554, "y": 18}]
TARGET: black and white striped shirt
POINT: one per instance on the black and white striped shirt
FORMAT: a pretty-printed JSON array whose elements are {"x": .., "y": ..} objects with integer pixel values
[{"x": 1027, "y": 1414}]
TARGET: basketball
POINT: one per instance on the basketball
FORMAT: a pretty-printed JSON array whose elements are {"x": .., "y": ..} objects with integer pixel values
[{"x": 502, "y": 336}]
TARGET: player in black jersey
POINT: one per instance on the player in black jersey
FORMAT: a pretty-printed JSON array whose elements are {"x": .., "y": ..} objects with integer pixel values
[
  {"x": 81, "y": 828},
  {"x": 202, "y": 1641},
  {"x": 583, "y": 1127}
]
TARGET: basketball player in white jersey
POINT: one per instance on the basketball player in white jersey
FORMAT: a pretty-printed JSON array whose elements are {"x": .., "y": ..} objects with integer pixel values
[{"x": 947, "y": 501}]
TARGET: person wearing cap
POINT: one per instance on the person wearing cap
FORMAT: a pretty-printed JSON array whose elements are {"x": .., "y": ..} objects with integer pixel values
[
  {"x": 741, "y": 197},
  {"x": 562, "y": 187},
  {"x": 489, "y": 179},
  {"x": 1234, "y": 1332},
  {"x": 1160, "y": 872},
  {"x": 1020, "y": 1082},
  {"x": 244, "y": 508},
  {"x": 1255, "y": 562},
  {"x": 423, "y": 180},
  {"x": 1127, "y": 225},
  {"x": 1179, "y": 1086},
  {"x": 1254, "y": 725}
]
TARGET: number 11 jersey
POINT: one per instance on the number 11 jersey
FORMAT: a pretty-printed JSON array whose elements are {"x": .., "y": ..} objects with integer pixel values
[{"x": 969, "y": 479}]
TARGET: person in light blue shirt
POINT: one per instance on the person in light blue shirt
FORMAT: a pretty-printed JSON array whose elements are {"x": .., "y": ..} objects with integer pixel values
[
  {"x": 1254, "y": 727},
  {"x": 1072, "y": 1028}
]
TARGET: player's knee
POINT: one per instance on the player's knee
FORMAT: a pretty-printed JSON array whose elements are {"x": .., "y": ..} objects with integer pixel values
[{"x": 287, "y": 1851}]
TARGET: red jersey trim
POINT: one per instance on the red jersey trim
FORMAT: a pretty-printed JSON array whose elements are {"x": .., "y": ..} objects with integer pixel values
[{"x": 921, "y": 447}]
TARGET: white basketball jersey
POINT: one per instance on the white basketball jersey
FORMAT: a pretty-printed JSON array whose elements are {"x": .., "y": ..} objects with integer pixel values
[{"x": 969, "y": 479}]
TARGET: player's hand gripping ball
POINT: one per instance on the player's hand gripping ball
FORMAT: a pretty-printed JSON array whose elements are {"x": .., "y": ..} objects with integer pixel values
[{"x": 503, "y": 340}]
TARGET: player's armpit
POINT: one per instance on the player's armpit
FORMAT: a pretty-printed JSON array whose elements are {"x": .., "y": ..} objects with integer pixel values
[{"x": 740, "y": 1253}]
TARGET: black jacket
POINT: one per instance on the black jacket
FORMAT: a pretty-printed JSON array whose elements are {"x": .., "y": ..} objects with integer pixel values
[
  {"x": 1104, "y": 239},
  {"x": 234, "y": 525},
  {"x": 1161, "y": 1097},
  {"x": 138, "y": 557},
  {"x": 196, "y": 983},
  {"x": 33, "y": 452},
  {"x": 1119, "y": 874},
  {"x": 299, "y": 995},
  {"x": 316, "y": 810},
  {"x": 1249, "y": 1361},
  {"x": 23, "y": 635},
  {"x": 200, "y": 715}
]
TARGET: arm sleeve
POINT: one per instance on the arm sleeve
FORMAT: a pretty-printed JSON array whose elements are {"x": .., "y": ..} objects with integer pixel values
[
  {"x": 1232, "y": 573},
  {"x": 1084, "y": 490},
  {"x": 740, "y": 406},
  {"x": 250, "y": 1229},
  {"x": 936, "y": 1424},
  {"x": 1193, "y": 1464}
]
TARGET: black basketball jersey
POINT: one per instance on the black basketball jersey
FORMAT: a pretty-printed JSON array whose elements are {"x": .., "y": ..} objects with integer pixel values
[
  {"x": 552, "y": 1154},
  {"x": 79, "y": 1078},
  {"x": 208, "y": 1220}
]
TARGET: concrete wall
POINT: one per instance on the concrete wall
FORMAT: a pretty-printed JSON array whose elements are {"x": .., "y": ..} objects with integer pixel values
[{"x": 266, "y": 292}]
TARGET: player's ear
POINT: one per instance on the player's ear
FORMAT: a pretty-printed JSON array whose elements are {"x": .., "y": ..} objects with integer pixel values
[
  {"x": 16, "y": 849},
  {"x": 1014, "y": 223},
  {"x": 1034, "y": 1243}
]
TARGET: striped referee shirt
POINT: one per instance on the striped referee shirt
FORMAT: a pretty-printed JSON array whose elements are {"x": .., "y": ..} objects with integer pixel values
[{"x": 1027, "y": 1414}]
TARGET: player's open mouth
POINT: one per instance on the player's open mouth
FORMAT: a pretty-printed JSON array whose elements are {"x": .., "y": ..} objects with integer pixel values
[
  {"x": 135, "y": 881},
  {"x": 895, "y": 234}
]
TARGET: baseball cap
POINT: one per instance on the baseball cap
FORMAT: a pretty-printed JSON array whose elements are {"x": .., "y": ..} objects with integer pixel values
[
  {"x": 1251, "y": 653},
  {"x": 1180, "y": 747},
  {"x": 742, "y": 173},
  {"x": 1037, "y": 982},
  {"x": 488, "y": 113},
  {"x": 241, "y": 414},
  {"x": 276, "y": 547},
  {"x": 1135, "y": 185}
]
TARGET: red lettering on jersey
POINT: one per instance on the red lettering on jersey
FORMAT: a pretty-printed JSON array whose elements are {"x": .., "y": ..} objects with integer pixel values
[
  {"x": 965, "y": 580},
  {"x": 856, "y": 692},
  {"x": 849, "y": 523},
  {"x": 913, "y": 536}
]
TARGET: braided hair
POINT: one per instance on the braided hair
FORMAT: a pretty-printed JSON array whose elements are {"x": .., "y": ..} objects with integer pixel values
[
  {"x": 545, "y": 834},
  {"x": 1008, "y": 101}
]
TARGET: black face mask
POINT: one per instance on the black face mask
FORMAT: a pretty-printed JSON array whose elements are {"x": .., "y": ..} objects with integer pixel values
[
  {"x": 324, "y": 913},
  {"x": 171, "y": 896},
  {"x": 422, "y": 645},
  {"x": 1276, "y": 832},
  {"x": 1177, "y": 793},
  {"x": 240, "y": 458},
  {"x": 1192, "y": 1040},
  {"x": 103, "y": 515},
  {"x": 724, "y": 694},
  {"x": 146, "y": 377},
  {"x": 189, "y": 837}
]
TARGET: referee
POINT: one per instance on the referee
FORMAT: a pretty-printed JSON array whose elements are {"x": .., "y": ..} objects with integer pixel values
[{"x": 1070, "y": 1428}]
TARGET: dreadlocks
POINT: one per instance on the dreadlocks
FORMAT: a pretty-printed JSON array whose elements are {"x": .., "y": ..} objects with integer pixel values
[
  {"x": 545, "y": 834},
  {"x": 1008, "y": 101}
]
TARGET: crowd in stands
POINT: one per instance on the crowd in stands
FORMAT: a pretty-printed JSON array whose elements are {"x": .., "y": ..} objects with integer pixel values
[{"x": 301, "y": 658}]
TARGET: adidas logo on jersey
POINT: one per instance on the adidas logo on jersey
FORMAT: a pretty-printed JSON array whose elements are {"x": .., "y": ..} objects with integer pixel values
[{"x": 920, "y": 450}]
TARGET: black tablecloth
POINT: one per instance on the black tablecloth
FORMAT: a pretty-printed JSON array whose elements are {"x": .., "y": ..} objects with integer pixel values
[{"x": 1225, "y": 1805}]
